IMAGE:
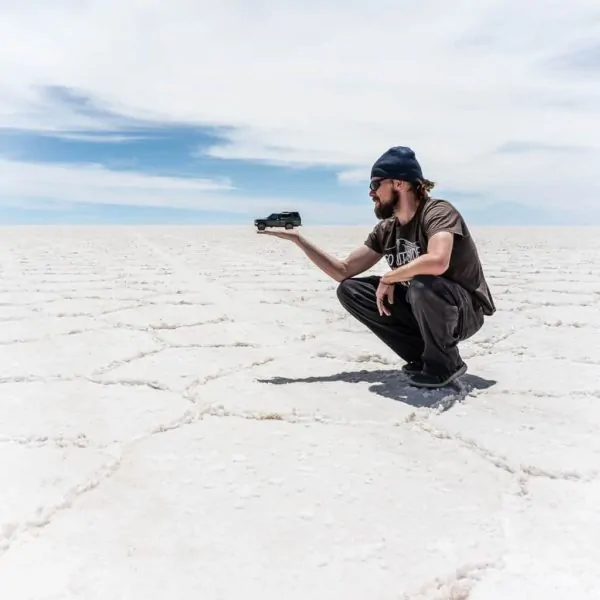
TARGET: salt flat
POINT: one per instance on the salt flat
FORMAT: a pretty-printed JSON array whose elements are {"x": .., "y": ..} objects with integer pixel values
[{"x": 187, "y": 412}]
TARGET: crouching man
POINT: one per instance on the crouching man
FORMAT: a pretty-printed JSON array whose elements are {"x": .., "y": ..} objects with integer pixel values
[{"x": 435, "y": 294}]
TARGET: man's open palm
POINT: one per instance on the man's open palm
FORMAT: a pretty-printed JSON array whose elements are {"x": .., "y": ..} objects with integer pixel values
[{"x": 284, "y": 234}]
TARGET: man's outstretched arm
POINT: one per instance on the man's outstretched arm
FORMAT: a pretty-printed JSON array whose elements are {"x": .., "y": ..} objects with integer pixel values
[{"x": 359, "y": 260}]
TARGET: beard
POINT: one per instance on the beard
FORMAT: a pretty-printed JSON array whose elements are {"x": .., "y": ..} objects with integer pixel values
[{"x": 385, "y": 210}]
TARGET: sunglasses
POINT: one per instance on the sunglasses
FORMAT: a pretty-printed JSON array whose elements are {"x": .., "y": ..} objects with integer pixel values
[{"x": 374, "y": 185}]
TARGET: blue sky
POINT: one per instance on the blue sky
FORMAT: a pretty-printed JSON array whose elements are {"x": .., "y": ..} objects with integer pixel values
[
  {"x": 174, "y": 152},
  {"x": 193, "y": 113}
]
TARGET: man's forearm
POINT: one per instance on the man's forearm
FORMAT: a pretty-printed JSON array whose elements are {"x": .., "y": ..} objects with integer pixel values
[
  {"x": 426, "y": 264},
  {"x": 328, "y": 264}
]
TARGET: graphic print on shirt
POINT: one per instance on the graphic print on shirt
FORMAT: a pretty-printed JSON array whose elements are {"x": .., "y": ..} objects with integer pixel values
[{"x": 404, "y": 252}]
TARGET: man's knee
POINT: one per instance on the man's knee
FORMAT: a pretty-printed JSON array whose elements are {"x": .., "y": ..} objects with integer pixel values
[{"x": 345, "y": 290}]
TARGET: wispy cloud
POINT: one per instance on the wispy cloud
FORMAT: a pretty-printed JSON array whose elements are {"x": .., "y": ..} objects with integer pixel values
[
  {"x": 58, "y": 187},
  {"x": 96, "y": 184},
  {"x": 581, "y": 58},
  {"x": 99, "y": 138},
  {"x": 328, "y": 84}
]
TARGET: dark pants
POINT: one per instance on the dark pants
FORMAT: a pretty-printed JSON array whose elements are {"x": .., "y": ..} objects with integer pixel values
[{"x": 428, "y": 318}]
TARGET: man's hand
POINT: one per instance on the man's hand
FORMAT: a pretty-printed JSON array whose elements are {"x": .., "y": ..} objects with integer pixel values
[
  {"x": 285, "y": 234},
  {"x": 384, "y": 291}
]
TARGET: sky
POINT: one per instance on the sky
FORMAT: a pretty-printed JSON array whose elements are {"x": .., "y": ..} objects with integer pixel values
[{"x": 198, "y": 112}]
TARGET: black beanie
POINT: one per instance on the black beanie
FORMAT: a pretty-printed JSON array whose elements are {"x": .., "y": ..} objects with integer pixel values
[{"x": 399, "y": 162}]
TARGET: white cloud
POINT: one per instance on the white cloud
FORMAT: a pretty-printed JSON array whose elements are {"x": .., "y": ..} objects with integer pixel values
[
  {"x": 28, "y": 184},
  {"x": 94, "y": 183},
  {"x": 97, "y": 138},
  {"x": 55, "y": 187},
  {"x": 330, "y": 83}
]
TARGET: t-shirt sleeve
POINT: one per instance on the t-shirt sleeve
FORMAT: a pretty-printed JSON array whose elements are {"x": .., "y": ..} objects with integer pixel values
[
  {"x": 442, "y": 216},
  {"x": 373, "y": 240}
]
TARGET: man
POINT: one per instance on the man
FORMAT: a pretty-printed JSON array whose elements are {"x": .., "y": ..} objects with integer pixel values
[{"x": 435, "y": 294}]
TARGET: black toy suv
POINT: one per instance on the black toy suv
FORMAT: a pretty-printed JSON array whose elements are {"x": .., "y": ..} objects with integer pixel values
[{"x": 289, "y": 220}]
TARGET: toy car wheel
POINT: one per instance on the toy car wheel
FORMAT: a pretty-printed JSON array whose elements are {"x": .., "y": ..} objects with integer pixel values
[
  {"x": 289, "y": 226},
  {"x": 261, "y": 226}
]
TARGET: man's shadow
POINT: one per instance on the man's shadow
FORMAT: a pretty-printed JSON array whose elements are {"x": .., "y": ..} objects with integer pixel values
[{"x": 394, "y": 385}]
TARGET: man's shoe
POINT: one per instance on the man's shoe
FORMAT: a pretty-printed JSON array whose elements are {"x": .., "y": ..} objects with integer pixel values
[
  {"x": 413, "y": 367},
  {"x": 432, "y": 380}
]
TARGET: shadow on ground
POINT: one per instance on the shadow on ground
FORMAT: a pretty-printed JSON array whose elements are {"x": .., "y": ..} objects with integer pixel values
[{"x": 393, "y": 384}]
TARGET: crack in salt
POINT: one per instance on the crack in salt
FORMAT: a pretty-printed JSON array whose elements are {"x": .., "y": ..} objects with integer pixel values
[
  {"x": 81, "y": 441},
  {"x": 521, "y": 471},
  {"x": 457, "y": 586},
  {"x": 13, "y": 533},
  {"x": 155, "y": 385}
]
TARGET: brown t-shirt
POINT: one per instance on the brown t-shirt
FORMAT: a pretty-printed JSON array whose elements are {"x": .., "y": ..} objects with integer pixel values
[{"x": 400, "y": 244}]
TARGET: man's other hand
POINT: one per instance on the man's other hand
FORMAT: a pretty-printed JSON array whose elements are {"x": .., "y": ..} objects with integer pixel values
[{"x": 384, "y": 290}]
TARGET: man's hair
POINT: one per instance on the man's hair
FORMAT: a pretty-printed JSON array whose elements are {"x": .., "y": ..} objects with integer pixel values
[{"x": 421, "y": 188}]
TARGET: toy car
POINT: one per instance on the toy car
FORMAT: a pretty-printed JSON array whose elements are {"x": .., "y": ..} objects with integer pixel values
[{"x": 289, "y": 220}]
